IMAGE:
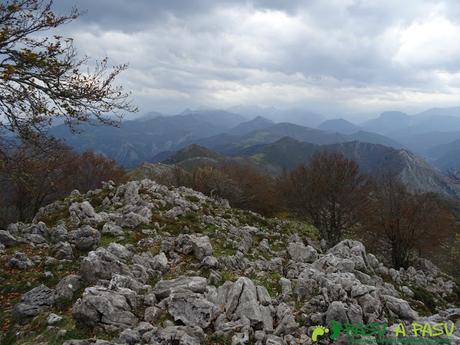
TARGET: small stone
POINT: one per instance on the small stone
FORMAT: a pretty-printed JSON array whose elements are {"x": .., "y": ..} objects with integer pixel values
[
  {"x": 210, "y": 262},
  {"x": 48, "y": 274},
  {"x": 240, "y": 338},
  {"x": 112, "y": 229},
  {"x": 152, "y": 314},
  {"x": 53, "y": 319},
  {"x": 286, "y": 286}
]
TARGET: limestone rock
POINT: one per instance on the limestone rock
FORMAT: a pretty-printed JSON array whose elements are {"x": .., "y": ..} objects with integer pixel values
[
  {"x": 191, "y": 308},
  {"x": 301, "y": 253},
  {"x": 101, "y": 264},
  {"x": 7, "y": 239},
  {"x": 102, "y": 307},
  {"x": 33, "y": 302},
  {"x": 62, "y": 250},
  {"x": 67, "y": 287},
  {"x": 86, "y": 238},
  {"x": 164, "y": 288}
]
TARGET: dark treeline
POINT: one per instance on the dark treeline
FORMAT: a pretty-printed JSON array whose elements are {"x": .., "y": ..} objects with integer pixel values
[{"x": 33, "y": 175}]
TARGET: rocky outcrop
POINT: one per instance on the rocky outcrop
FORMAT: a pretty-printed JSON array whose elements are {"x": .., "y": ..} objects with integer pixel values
[
  {"x": 111, "y": 309},
  {"x": 158, "y": 265}
]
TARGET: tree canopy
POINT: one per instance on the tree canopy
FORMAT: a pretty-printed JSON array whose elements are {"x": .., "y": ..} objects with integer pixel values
[{"x": 43, "y": 79}]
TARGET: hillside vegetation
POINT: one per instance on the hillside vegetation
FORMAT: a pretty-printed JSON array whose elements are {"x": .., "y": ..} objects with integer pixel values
[{"x": 141, "y": 263}]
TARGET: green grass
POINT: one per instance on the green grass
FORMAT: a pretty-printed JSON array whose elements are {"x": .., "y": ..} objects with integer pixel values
[
  {"x": 271, "y": 281},
  {"x": 14, "y": 282},
  {"x": 192, "y": 198},
  {"x": 213, "y": 339},
  {"x": 221, "y": 247},
  {"x": 228, "y": 276},
  {"x": 426, "y": 297}
]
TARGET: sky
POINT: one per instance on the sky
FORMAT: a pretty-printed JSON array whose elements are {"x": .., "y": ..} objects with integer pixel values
[{"x": 335, "y": 57}]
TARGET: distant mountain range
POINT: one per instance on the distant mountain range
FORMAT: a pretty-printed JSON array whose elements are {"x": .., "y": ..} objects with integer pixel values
[
  {"x": 434, "y": 134},
  {"x": 247, "y": 133},
  {"x": 339, "y": 125},
  {"x": 294, "y": 115},
  {"x": 141, "y": 139},
  {"x": 151, "y": 137},
  {"x": 229, "y": 144},
  {"x": 288, "y": 153}
]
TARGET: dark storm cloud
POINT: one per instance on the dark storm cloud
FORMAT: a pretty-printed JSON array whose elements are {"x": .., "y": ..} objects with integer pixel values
[
  {"x": 349, "y": 55},
  {"x": 134, "y": 15}
]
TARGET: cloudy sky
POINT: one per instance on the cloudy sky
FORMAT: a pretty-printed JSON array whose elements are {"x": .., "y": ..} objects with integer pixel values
[{"x": 335, "y": 57}]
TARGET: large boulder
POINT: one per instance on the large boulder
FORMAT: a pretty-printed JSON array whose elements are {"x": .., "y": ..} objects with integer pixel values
[
  {"x": 120, "y": 251},
  {"x": 158, "y": 262},
  {"x": 164, "y": 288},
  {"x": 35, "y": 301},
  {"x": 112, "y": 229},
  {"x": 101, "y": 307},
  {"x": 67, "y": 287},
  {"x": 286, "y": 320},
  {"x": 337, "y": 311},
  {"x": 191, "y": 308},
  {"x": 200, "y": 246},
  {"x": 83, "y": 213},
  {"x": 353, "y": 251},
  {"x": 86, "y": 238},
  {"x": 301, "y": 253},
  {"x": 7, "y": 239},
  {"x": 242, "y": 302},
  {"x": 62, "y": 250},
  {"x": 59, "y": 234},
  {"x": 101, "y": 264},
  {"x": 400, "y": 307}
]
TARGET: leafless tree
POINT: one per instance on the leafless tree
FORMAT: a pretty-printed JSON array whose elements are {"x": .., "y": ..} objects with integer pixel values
[
  {"x": 330, "y": 192},
  {"x": 402, "y": 224}
]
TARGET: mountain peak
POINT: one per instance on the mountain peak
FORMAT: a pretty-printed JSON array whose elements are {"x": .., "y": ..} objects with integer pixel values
[
  {"x": 339, "y": 125},
  {"x": 393, "y": 115},
  {"x": 257, "y": 123},
  {"x": 192, "y": 151}
]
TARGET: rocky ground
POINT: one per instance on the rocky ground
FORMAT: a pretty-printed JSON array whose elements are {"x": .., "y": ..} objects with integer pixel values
[{"x": 142, "y": 263}]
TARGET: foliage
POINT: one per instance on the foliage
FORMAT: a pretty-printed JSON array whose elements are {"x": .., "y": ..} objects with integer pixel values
[
  {"x": 32, "y": 176},
  {"x": 243, "y": 186},
  {"x": 42, "y": 78},
  {"x": 330, "y": 192},
  {"x": 401, "y": 225}
]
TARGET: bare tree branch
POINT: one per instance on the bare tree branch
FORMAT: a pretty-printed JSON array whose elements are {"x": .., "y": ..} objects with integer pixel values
[{"x": 43, "y": 79}]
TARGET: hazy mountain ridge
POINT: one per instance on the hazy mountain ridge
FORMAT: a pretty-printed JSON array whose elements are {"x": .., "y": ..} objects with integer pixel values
[
  {"x": 141, "y": 139},
  {"x": 446, "y": 156},
  {"x": 373, "y": 159},
  {"x": 230, "y": 144},
  {"x": 149, "y": 138},
  {"x": 339, "y": 125},
  {"x": 154, "y": 137}
]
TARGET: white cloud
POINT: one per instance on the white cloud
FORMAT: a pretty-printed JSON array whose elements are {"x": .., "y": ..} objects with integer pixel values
[
  {"x": 342, "y": 54},
  {"x": 428, "y": 43}
]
